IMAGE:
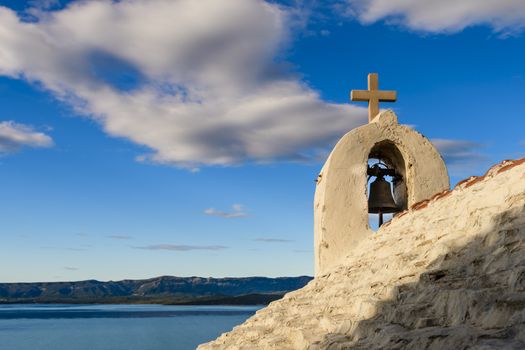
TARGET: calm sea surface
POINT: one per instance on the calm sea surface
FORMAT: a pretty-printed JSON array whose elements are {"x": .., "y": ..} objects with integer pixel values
[{"x": 115, "y": 327}]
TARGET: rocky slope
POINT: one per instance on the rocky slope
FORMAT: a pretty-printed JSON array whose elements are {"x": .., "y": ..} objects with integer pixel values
[
  {"x": 165, "y": 288},
  {"x": 447, "y": 274}
]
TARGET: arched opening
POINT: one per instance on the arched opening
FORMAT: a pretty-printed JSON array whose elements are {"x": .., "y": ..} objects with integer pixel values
[{"x": 387, "y": 190}]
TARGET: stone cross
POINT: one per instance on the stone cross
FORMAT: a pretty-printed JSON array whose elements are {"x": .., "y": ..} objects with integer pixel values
[{"x": 373, "y": 96}]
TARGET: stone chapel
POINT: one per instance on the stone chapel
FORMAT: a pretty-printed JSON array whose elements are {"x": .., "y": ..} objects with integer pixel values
[{"x": 341, "y": 203}]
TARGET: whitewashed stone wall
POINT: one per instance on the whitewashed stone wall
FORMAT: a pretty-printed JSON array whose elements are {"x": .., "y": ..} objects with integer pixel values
[
  {"x": 447, "y": 274},
  {"x": 341, "y": 201}
]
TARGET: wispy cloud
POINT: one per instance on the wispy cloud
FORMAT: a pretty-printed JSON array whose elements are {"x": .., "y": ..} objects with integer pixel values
[
  {"x": 442, "y": 16},
  {"x": 454, "y": 151},
  {"x": 72, "y": 249},
  {"x": 236, "y": 212},
  {"x": 181, "y": 247},
  {"x": 14, "y": 136},
  {"x": 120, "y": 237},
  {"x": 463, "y": 157},
  {"x": 272, "y": 240},
  {"x": 75, "y": 249},
  {"x": 70, "y": 268}
]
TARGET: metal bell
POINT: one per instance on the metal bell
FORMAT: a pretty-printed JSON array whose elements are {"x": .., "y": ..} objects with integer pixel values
[{"x": 380, "y": 199}]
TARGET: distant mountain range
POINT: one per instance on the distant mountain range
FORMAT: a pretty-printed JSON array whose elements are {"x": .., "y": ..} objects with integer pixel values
[{"x": 161, "y": 290}]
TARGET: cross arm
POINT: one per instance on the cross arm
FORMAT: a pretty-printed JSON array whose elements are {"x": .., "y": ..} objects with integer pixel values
[
  {"x": 360, "y": 95},
  {"x": 387, "y": 96}
]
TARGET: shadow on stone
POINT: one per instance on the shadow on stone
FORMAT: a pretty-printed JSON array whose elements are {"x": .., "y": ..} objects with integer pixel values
[{"x": 473, "y": 297}]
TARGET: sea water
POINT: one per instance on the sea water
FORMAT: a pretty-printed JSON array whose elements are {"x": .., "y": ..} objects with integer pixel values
[{"x": 115, "y": 327}]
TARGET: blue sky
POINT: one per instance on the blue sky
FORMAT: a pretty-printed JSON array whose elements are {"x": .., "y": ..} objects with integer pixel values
[{"x": 143, "y": 138}]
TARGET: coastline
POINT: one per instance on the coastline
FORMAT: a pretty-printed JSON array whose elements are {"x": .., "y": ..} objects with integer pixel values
[{"x": 247, "y": 299}]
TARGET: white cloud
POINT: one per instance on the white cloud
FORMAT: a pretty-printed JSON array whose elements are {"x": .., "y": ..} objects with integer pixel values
[
  {"x": 197, "y": 82},
  {"x": 181, "y": 247},
  {"x": 237, "y": 212},
  {"x": 15, "y": 136},
  {"x": 443, "y": 15}
]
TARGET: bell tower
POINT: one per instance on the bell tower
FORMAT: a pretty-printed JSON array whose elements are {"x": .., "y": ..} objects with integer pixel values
[{"x": 371, "y": 153}]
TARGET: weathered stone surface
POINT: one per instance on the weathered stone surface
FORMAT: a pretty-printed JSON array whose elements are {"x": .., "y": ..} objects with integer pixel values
[
  {"x": 341, "y": 201},
  {"x": 449, "y": 274}
]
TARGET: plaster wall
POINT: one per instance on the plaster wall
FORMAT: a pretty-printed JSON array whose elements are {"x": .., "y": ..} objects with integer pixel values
[{"x": 341, "y": 201}]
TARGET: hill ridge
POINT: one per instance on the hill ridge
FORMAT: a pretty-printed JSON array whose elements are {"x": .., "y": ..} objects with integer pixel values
[{"x": 165, "y": 289}]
